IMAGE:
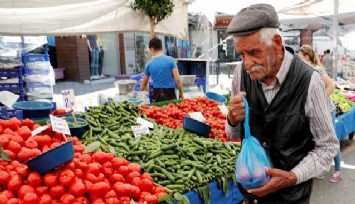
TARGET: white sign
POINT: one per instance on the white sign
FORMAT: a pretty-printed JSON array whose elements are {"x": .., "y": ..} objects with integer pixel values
[
  {"x": 68, "y": 99},
  {"x": 59, "y": 125},
  {"x": 223, "y": 108},
  {"x": 140, "y": 130},
  {"x": 197, "y": 116},
  {"x": 144, "y": 122},
  {"x": 39, "y": 130}
]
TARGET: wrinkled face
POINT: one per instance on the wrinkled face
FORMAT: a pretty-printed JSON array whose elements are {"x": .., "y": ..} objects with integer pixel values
[{"x": 259, "y": 59}]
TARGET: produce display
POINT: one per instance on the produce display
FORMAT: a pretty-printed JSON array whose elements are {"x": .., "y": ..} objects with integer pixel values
[
  {"x": 343, "y": 104},
  {"x": 91, "y": 177},
  {"x": 176, "y": 159},
  {"x": 171, "y": 115}
]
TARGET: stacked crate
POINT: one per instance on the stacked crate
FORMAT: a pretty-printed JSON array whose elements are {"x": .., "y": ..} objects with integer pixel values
[{"x": 39, "y": 76}]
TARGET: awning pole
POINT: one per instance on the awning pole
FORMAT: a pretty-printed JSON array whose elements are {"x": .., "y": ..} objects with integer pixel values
[{"x": 335, "y": 40}]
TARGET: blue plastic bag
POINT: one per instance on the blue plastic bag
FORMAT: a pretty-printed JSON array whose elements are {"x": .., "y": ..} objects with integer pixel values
[{"x": 252, "y": 160}]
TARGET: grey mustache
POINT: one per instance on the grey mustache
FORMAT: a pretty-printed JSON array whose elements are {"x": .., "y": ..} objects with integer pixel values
[{"x": 255, "y": 68}]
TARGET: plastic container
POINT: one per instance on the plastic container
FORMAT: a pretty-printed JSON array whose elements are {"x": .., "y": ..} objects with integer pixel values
[
  {"x": 52, "y": 158},
  {"x": 137, "y": 77},
  {"x": 34, "y": 109},
  {"x": 76, "y": 131},
  {"x": 216, "y": 97},
  {"x": 188, "y": 80},
  {"x": 125, "y": 86},
  {"x": 196, "y": 126}
]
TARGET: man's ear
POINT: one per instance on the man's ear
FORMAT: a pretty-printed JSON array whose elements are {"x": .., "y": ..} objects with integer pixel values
[{"x": 277, "y": 42}]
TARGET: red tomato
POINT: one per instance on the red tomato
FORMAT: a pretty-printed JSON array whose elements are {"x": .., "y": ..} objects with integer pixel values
[
  {"x": 151, "y": 199},
  {"x": 8, "y": 194},
  {"x": 3, "y": 199},
  {"x": 134, "y": 167},
  {"x": 50, "y": 180},
  {"x": 67, "y": 199},
  {"x": 94, "y": 168},
  {"x": 100, "y": 188},
  {"x": 77, "y": 188},
  {"x": 57, "y": 191},
  {"x": 30, "y": 198},
  {"x": 85, "y": 158},
  {"x": 147, "y": 176},
  {"x": 24, "y": 190},
  {"x": 41, "y": 190},
  {"x": 135, "y": 181},
  {"x": 146, "y": 185},
  {"x": 66, "y": 177},
  {"x": 31, "y": 143},
  {"x": 116, "y": 178},
  {"x": 117, "y": 162},
  {"x": 131, "y": 175},
  {"x": 123, "y": 170},
  {"x": 13, "y": 201},
  {"x": 45, "y": 199},
  {"x": 15, "y": 183},
  {"x": 4, "y": 177}
]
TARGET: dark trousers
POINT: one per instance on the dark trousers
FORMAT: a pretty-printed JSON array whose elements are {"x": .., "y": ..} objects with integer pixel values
[{"x": 163, "y": 94}]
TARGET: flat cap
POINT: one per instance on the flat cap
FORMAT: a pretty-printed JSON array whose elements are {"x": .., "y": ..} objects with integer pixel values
[{"x": 253, "y": 18}]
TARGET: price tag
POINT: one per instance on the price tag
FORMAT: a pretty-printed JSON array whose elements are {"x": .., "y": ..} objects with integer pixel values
[
  {"x": 59, "y": 125},
  {"x": 144, "y": 122},
  {"x": 140, "y": 130},
  {"x": 39, "y": 130},
  {"x": 68, "y": 99},
  {"x": 197, "y": 116},
  {"x": 223, "y": 108}
]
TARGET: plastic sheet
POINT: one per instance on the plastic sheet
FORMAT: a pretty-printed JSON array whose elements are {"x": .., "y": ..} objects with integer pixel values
[{"x": 12, "y": 48}]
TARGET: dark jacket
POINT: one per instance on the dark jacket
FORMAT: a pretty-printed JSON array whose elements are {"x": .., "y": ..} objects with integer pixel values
[{"x": 282, "y": 126}]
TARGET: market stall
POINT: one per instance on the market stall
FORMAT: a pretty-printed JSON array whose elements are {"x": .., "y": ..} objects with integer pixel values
[{"x": 177, "y": 165}]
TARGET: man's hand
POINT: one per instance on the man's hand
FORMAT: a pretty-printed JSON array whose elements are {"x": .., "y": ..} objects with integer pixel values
[
  {"x": 181, "y": 96},
  {"x": 279, "y": 179},
  {"x": 236, "y": 109}
]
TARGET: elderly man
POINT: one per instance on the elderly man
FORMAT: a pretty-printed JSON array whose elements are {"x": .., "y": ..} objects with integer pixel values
[{"x": 287, "y": 101}]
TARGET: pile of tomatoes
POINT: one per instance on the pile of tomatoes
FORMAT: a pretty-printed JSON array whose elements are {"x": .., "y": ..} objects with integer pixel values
[
  {"x": 171, "y": 115},
  {"x": 97, "y": 177}
]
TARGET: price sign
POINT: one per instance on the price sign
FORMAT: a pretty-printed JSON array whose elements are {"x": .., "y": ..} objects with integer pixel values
[
  {"x": 59, "y": 125},
  {"x": 197, "y": 116},
  {"x": 140, "y": 130},
  {"x": 144, "y": 122},
  {"x": 68, "y": 99},
  {"x": 39, "y": 130},
  {"x": 223, "y": 108}
]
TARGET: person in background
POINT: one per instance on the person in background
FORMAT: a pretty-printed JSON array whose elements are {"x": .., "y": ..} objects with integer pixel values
[
  {"x": 310, "y": 56},
  {"x": 327, "y": 62},
  {"x": 287, "y": 101},
  {"x": 94, "y": 56},
  {"x": 164, "y": 73}
]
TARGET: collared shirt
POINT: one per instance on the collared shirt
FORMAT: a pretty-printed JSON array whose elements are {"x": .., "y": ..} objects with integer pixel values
[{"x": 318, "y": 161}]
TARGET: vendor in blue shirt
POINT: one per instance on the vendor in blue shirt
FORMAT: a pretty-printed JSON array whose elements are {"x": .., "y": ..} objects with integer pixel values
[{"x": 164, "y": 73}]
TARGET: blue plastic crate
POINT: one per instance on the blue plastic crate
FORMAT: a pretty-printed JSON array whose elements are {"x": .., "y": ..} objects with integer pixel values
[
  {"x": 198, "y": 69},
  {"x": 26, "y": 58},
  {"x": 182, "y": 67},
  {"x": 31, "y": 85},
  {"x": 16, "y": 72},
  {"x": 6, "y": 113},
  {"x": 10, "y": 87},
  {"x": 28, "y": 71}
]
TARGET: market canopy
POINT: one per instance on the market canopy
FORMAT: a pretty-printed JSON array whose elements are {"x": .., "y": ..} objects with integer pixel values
[{"x": 76, "y": 17}]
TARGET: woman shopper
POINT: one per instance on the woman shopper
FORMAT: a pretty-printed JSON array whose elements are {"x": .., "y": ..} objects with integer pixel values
[{"x": 311, "y": 57}]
